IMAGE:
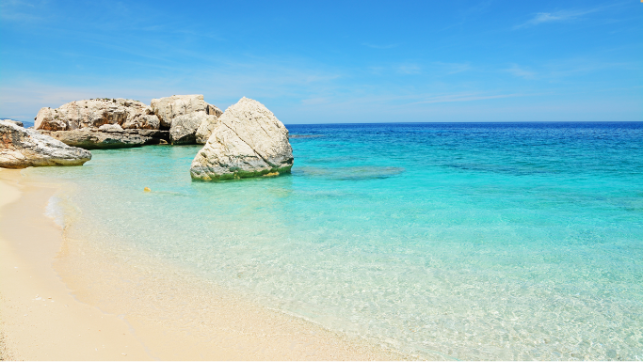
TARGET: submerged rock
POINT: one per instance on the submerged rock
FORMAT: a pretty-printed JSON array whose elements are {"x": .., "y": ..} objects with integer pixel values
[
  {"x": 247, "y": 141},
  {"x": 20, "y": 147},
  {"x": 112, "y": 136},
  {"x": 94, "y": 113}
]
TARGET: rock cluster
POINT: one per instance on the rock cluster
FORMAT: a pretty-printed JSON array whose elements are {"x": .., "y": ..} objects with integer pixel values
[
  {"x": 20, "y": 147},
  {"x": 246, "y": 141},
  {"x": 94, "y": 113},
  {"x": 177, "y": 119},
  {"x": 183, "y": 115}
]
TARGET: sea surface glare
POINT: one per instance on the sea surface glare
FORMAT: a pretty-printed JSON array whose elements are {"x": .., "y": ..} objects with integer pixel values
[{"x": 509, "y": 241}]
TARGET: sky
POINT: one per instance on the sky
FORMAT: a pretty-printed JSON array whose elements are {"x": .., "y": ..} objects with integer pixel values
[{"x": 333, "y": 61}]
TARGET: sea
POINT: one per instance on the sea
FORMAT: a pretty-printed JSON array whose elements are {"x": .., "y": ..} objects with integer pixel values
[{"x": 474, "y": 241}]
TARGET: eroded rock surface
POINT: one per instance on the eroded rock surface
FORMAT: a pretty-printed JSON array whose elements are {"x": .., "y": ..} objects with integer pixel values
[
  {"x": 184, "y": 128},
  {"x": 20, "y": 147},
  {"x": 205, "y": 129},
  {"x": 94, "y": 113},
  {"x": 246, "y": 141},
  {"x": 111, "y": 136},
  {"x": 169, "y": 108},
  {"x": 17, "y": 123},
  {"x": 184, "y": 115}
]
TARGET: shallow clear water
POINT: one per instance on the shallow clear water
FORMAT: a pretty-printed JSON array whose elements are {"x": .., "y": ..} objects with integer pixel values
[{"x": 468, "y": 241}]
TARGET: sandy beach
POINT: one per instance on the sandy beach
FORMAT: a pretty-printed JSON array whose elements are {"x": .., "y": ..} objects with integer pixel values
[{"x": 63, "y": 301}]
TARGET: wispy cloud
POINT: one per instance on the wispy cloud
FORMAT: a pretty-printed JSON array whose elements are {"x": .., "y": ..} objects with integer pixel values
[
  {"x": 408, "y": 69},
  {"x": 521, "y": 72},
  {"x": 380, "y": 46},
  {"x": 557, "y": 16},
  {"x": 465, "y": 97},
  {"x": 564, "y": 68},
  {"x": 16, "y": 10},
  {"x": 452, "y": 68}
]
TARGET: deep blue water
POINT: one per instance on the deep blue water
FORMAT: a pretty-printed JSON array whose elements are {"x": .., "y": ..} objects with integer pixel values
[{"x": 449, "y": 240}]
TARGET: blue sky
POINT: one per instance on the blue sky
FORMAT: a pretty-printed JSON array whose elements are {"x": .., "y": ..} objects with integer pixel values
[{"x": 333, "y": 62}]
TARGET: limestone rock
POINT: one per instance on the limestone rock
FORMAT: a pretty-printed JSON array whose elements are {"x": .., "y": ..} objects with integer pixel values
[
  {"x": 92, "y": 138},
  {"x": 205, "y": 129},
  {"x": 169, "y": 108},
  {"x": 144, "y": 120},
  {"x": 247, "y": 141},
  {"x": 183, "y": 128},
  {"x": 95, "y": 113},
  {"x": 20, "y": 147},
  {"x": 110, "y": 128},
  {"x": 17, "y": 123}
]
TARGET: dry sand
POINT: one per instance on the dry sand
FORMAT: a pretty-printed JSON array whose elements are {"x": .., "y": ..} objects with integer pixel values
[{"x": 60, "y": 300}]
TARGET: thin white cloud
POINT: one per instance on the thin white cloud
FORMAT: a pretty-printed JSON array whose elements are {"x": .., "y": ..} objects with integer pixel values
[
  {"x": 557, "y": 16},
  {"x": 380, "y": 46},
  {"x": 559, "y": 69},
  {"x": 465, "y": 97},
  {"x": 521, "y": 72},
  {"x": 452, "y": 68},
  {"x": 16, "y": 10},
  {"x": 408, "y": 69}
]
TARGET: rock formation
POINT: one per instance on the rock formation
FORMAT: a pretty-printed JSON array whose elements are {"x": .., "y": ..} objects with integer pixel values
[
  {"x": 20, "y": 147},
  {"x": 169, "y": 108},
  {"x": 111, "y": 123},
  {"x": 94, "y": 113},
  {"x": 205, "y": 129},
  {"x": 17, "y": 123},
  {"x": 183, "y": 115},
  {"x": 101, "y": 123},
  {"x": 109, "y": 136},
  {"x": 184, "y": 128},
  {"x": 246, "y": 141}
]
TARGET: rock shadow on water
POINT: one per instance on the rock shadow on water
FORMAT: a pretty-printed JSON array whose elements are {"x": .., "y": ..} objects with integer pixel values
[{"x": 352, "y": 173}]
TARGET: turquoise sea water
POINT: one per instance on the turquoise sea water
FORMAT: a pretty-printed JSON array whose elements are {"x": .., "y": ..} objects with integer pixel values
[{"x": 465, "y": 241}]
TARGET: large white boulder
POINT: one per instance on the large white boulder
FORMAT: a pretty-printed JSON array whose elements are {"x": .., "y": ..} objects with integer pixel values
[
  {"x": 20, "y": 147},
  {"x": 246, "y": 141}
]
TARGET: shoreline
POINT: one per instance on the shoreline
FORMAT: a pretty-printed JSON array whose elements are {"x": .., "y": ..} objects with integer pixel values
[{"x": 118, "y": 311}]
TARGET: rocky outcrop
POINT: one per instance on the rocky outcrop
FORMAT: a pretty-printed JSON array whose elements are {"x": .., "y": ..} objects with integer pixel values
[
  {"x": 101, "y": 123},
  {"x": 94, "y": 113},
  {"x": 20, "y": 147},
  {"x": 17, "y": 123},
  {"x": 109, "y": 136},
  {"x": 169, "y": 108},
  {"x": 184, "y": 128},
  {"x": 110, "y": 128},
  {"x": 183, "y": 115},
  {"x": 246, "y": 141},
  {"x": 205, "y": 129}
]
